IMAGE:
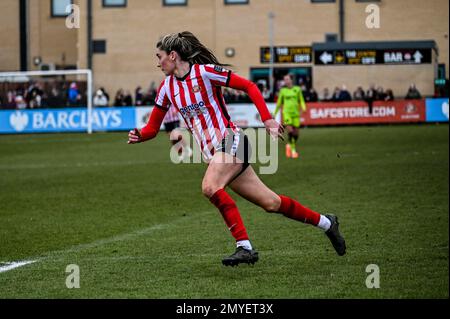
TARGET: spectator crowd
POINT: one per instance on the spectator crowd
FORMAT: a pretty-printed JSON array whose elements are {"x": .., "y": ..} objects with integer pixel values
[
  {"x": 40, "y": 94},
  {"x": 339, "y": 94}
]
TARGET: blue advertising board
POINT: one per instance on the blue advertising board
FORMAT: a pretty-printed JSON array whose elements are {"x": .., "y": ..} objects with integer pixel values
[
  {"x": 66, "y": 120},
  {"x": 437, "y": 110},
  {"x": 124, "y": 118}
]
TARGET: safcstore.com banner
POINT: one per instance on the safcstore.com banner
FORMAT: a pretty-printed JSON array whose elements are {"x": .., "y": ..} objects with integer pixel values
[
  {"x": 244, "y": 115},
  {"x": 357, "y": 112}
]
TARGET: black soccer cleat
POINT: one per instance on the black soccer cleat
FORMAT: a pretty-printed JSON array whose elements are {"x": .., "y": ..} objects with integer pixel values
[
  {"x": 335, "y": 236},
  {"x": 241, "y": 256}
]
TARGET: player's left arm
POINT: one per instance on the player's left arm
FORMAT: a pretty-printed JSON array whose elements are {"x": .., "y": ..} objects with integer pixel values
[
  {"x": 237, "y": 82},
  {"x": 222, "y": 77}
]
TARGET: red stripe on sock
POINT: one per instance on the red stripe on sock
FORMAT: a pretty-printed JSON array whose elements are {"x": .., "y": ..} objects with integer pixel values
[
  {"x": 293, "y": 209},
  {"x": 230, "y": 214}
]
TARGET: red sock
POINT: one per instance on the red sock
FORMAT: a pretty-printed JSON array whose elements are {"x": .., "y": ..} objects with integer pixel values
[
  {"x": 230, "y": 213},
  {"x": 293, "y": 209}
]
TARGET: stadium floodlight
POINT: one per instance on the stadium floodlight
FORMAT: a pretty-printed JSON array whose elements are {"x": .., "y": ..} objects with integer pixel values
[{"x": 12, "y": 76}]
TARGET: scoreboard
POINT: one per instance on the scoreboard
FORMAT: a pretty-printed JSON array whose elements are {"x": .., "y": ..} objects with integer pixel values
[
  {"x": 287, "y": 54},
  {"x": 346, "y": 56},
  {"x": 372, "y": 56}
]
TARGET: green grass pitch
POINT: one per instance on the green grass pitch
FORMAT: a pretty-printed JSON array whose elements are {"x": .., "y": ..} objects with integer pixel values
[{"x": 138, "y": 226}]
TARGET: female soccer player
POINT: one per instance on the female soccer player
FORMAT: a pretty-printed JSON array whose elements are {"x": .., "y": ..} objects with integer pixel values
[
  {"x": 194, "y": 78},
  {"x": 290, "y": 100}
]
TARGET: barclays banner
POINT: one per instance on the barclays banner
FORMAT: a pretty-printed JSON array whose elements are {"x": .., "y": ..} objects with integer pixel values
[
  {"x": 66, "y": 120},
  {"x": 244, "y": 115},
  {"x": 437, "y": 110}
]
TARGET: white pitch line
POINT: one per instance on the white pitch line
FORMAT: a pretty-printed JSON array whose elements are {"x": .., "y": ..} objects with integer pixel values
[
  {"x": 13, "y": 265},
  {"x": 101, "y": 242},
  {"x": 120, "y": 237},
  {"x": 69, "y": 165}
]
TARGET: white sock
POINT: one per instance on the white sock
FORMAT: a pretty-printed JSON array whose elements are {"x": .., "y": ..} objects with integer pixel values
[
  {"x": 324, "y": 223},
  {"x": 245, "y": 244}
]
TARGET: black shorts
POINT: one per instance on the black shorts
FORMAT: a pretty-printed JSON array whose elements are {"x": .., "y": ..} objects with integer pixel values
[
  {"x": 237, "y": 145},
  {"x": 170, "y": 126}
]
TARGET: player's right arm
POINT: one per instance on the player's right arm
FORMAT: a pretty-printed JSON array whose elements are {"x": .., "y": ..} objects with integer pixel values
[
  {"x": 150, "y": 130},
  {"x": 156, "y": 118}
]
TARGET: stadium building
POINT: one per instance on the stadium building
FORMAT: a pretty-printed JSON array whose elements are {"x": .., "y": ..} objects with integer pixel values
[{"x": 389, "y": 43}]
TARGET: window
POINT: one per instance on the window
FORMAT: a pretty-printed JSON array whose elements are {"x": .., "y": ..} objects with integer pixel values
[
  {"x": 114, "y": 3},
  {"x": 331, "y": 37},
  {"x": 58, "y": 8},
  {"x": 236, "y": 1},
  {"x": 323, "y": 1},
  {"x": 99, "y": 46},
  {"x": 441, "y": 71},
  {"x": 174, "y": 2}
]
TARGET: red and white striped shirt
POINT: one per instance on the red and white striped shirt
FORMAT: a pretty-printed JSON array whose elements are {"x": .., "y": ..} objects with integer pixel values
[{"x": 198, "y": 97}]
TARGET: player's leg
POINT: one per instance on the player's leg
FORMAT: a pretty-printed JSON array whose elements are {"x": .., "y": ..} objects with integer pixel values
[
  {"x": 231, "y": 159},
  {"x": 176, "y": 140},
  {"x": 176, "y": 137},
  {"x": 173, "y": 137},
  {"x": 294, "y": 136},
  {"x": 289, "y": 129},
  {"x": 222, "y": 169},
  {"x": 249, "y": 186}
]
